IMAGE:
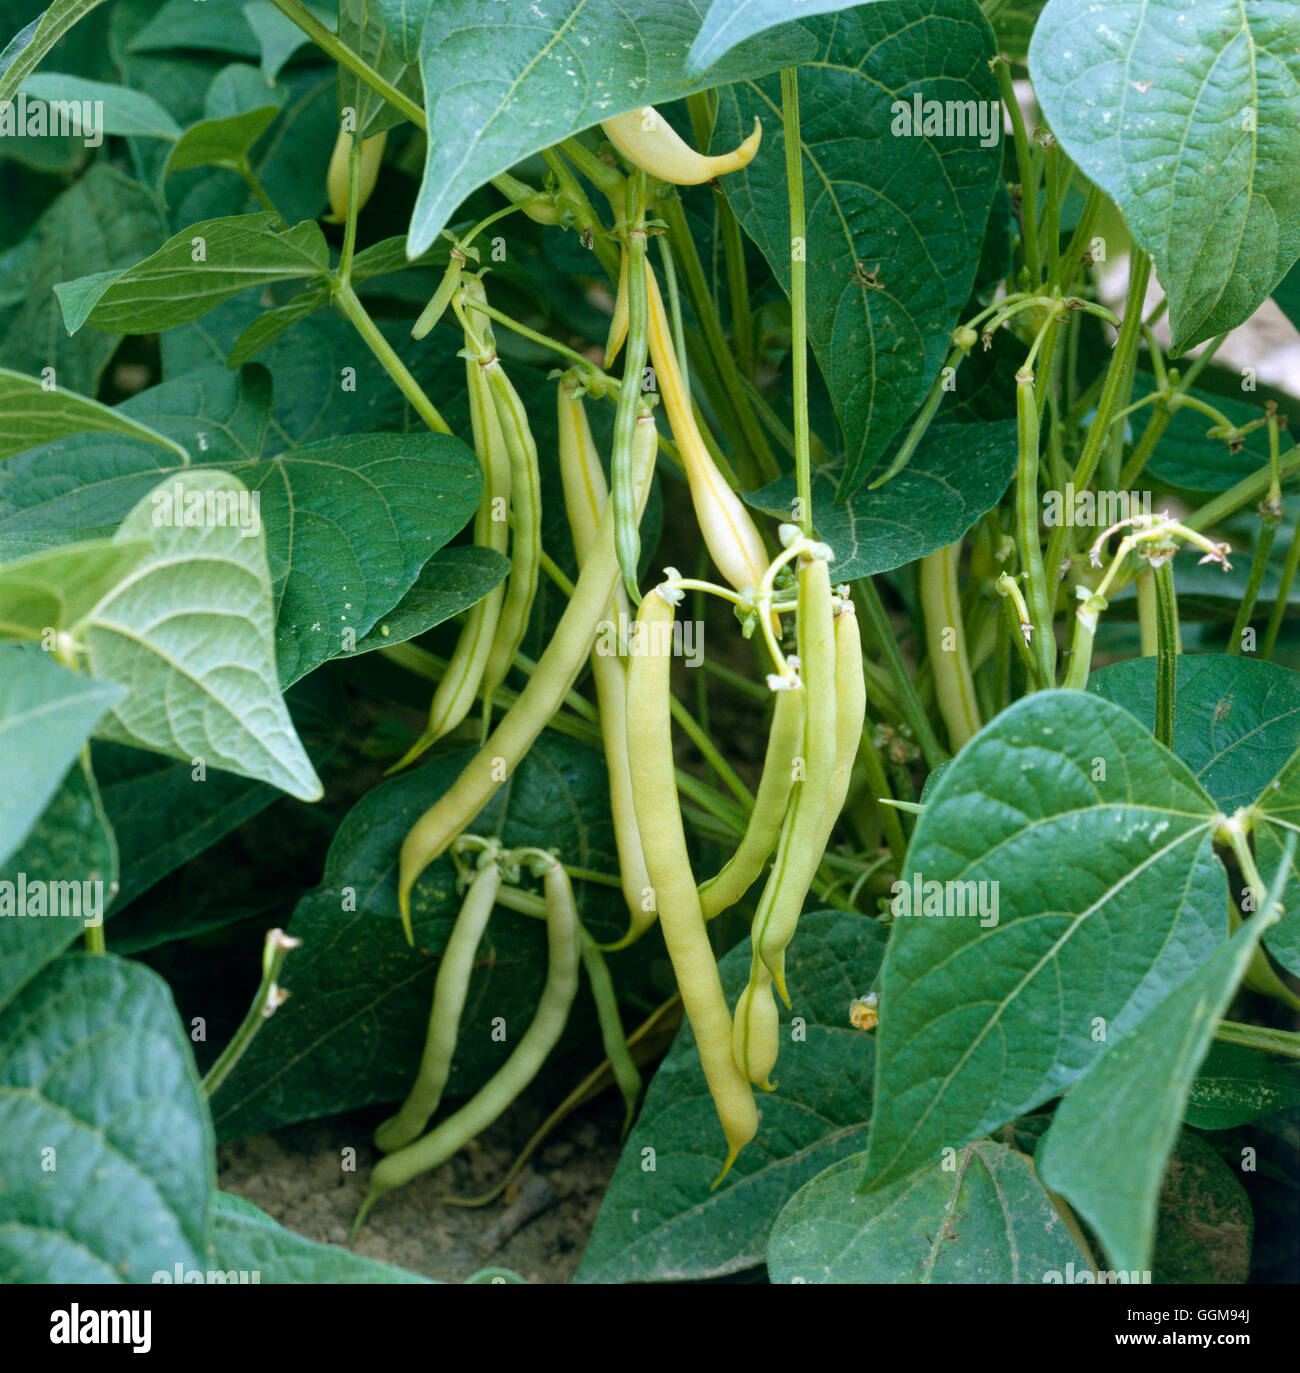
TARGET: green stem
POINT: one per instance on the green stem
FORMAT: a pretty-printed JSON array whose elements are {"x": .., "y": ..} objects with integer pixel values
[
  {"x": 733, "y": 249},
  {"x": 350, "y": 221},
  {"x": 1028, "y": 544},
  {"x": 1278, "y": 613},
  {"x": 269, "y": 996},
  {"x": 482, "y": 307},
  {"x": 743, "y": 424},
  {"x": 345, "y": 298},
  {"x": 1028, "y": 182},
  {"x": 1118, "y": 379},
  {"x": 1258, "y": 566},
  {"x": 798, "y": 293},
  {"x": 922, "y": 421},
  {"x": 1080, "y": 238},
  {"x": 584, "y": 216},
  {"x": 1166, "y": 653},
  {"x": 259, "y": 191},
  {"x": 715, "y": 760},
  {"x": 867, "y": 600},
  {"x": 1284, "y": 1042},
  {"x": 345, "y": 57},
  {"x": 1252, "y": 488},
  {"x": 675, "y": 309}
]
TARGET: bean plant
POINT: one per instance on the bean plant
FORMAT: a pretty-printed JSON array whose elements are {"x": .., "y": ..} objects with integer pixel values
[{"x": 730, "y": 560}]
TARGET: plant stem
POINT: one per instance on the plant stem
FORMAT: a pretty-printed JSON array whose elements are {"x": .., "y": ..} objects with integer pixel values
[
  {"x": 921, "y": 423},
  {"x": 867, "y": 599},
  {"x": 733, "y": 248},
  {"x": 345, "y": 57},
  {"x": 1249, "y": 489},
  {"x": 746, "y": 427},
  {"x": 259, "y": 191},
  {"x": 1028, "y": 182},
  {"x": 1117, "y": 382},
  {"x": 1258, "y": 566},
  {"x": 269, "y": 997},
  {"x": 346, "y": 299},
  {"x": 1166, "y": 653},
  {"x": 482, "y": 307},
  {"x": 1267, "y": 1041},
  {"x": 1283, "y": 597},
  {"x": 350, "y": 221},
  {"x": 1043, "y": 643},
  {"x": 798, "y": 293}
]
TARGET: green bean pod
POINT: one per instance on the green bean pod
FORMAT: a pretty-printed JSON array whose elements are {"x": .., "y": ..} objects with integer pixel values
[
  {"x": 449, "y": 991},
  {"x": 526, "y": 531},
  {"x": 744, "y": 867},
  {"x": 463, "y": 678},
  {"x": 664, "y": 841},
  {"x": 517, "y": 1071},
  {"x": 612, "y": 1035},
  {"x": 799, "y": 849},
  {"x": 756, "y": 1029},
  {"x": 541, "y": 697},
  {"x": 585, "y": 497},
  {"x": 627, "y": 517}
]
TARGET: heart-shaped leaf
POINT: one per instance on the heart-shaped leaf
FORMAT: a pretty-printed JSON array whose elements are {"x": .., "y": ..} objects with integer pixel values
[
  {"x": 895, "y": 220},
  {"x": 1189, "y": 117},
  {"x": 121, "y": 111},
  {"x": 730, "y": 22},
  {"x": 1086, "y": 890},
  {"x": 56, "y": 589},
  {"x": 191, "y": 635}
]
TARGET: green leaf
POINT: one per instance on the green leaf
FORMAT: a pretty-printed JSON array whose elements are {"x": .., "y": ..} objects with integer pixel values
[
  {"x": 102, "y": 223},
  {"x": 959, "y": 472},
  {"x": 731, "y": 22},
  {"x": 504, "y": 81},
  {"x": 895, "y": 223},
  {"x": 665, "y": 1223},
  {"x": 981, "y": 1216},
  {"x": 56, "y": 589},
  {"x": 72, "y": 841},
  {"x": 220, "y": 26},
  {"x": 125, "y": 112},
  {"x": 192, "y": 635},
  {"x": 25, "y": 50},
  {"x": 451, "y": 581},
  {"x": 1287, "y": 296},
  {"x": 1109, "y": 895},
  {"x": 95, "y": 1067},
  {"x": 172, "y": 286},
  {"x": 246, "y": 1240},
  {"x": 163, "y": 815},
  {"x": 353, "y": 1029},
  {"x": 1110, "y": 1139},
  {"x": 1277, "y": 813},
  {"x": 1236, "y": 719},
  {"x": 278, "y": 35},
  {"x": 220, "y": 142},
  {"x": 1189, "y": 118},
  {"x": 31, "y": 414},
  {"x": 1204, "y": 1226},
  {"x": 1236, "y": 1085},
  {"x": 1186, "y": 459},
  {"x": 268, "y": 327},
  {"x": 46, "y": 714},
  {"x": 239, "y": 89},
  {"x": 363, "y": 27}
]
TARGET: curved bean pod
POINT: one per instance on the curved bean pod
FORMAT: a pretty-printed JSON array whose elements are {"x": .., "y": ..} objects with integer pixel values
[
  {"x": 449, "y": 991},
  {"x": 744, "y": 867},
  {"x": 517, "y": 1071},
  {"x": 650, "y": 142},
  {"x": 756, "y": 1029}
]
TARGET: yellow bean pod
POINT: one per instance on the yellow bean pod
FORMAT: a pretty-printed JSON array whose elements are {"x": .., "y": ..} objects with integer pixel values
[
  {"x": 729, "y": 531},
  {"x": 336, "y": 179},
  {"x": 744, "y": 867},
  {"x": 799, "y": 850},
  {"x": 586, "y": 494},
  {"x": 756, "y": 1029},
  {"x": 663, "y": 839},
  {"x": 618, "y": 325},
  {"x": 650, "y": 142}
]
